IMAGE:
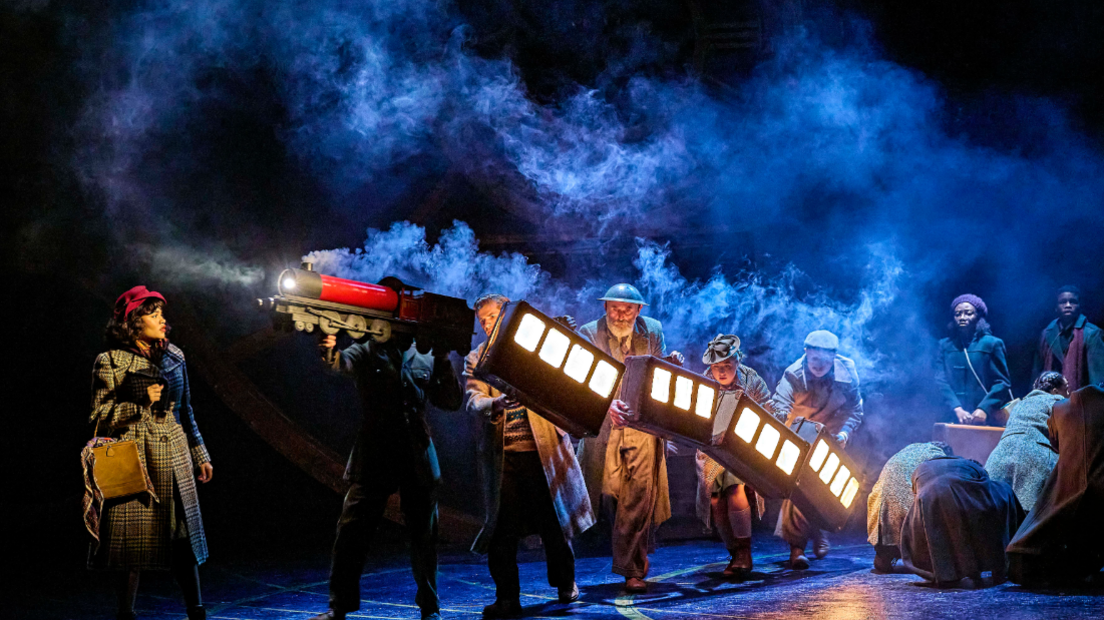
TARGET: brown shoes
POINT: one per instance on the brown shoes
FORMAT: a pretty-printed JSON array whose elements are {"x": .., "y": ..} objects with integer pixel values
[
  {"x": 741, "y": 563},
  {"x": 635, "y": 585},
  {"x": 798, "y": 561}
]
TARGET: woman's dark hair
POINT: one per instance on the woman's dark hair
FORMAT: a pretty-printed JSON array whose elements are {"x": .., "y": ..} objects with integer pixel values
[
  {"x": 1049, "y": 381},
  {"x": 125, "y": 333}
]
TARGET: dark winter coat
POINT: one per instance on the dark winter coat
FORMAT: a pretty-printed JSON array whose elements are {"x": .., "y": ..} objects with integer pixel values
[
  {"x": 394, "y": 386},
  {"x": 1093, "y": 360},
  {"x": 837, "y": 404},
  {"x": 1024, "y": 457},
  {"x": 136, "y": 531},
  {"x": 557, "y": 456},
  {"x": 960, "y": 522},
  {"x": 1059, "y": 538},
  {"x": 957, "y": 384}
]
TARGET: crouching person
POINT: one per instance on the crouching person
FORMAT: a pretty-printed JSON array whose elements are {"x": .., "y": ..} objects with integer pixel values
[
  {"x": 721, "y": 495},
  {"x": 533, "y": 485}
]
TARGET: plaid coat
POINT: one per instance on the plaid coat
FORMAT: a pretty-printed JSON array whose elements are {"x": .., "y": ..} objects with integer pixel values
[
  {"x": 136, "y": 531},
  {"x": 747, "y": 380},
  {"x": 561, "y": 469}
]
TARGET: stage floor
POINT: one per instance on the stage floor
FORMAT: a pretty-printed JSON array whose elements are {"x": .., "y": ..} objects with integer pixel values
[{"x": 685, "y": 583}]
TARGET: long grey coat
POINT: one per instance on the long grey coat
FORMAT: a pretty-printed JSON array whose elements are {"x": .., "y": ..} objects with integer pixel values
[
  {"x": 557, "y": 455},
  {"x": 1024, "y": 457},
  {"x": 601, "y": 460},
  {"x": 136, "y": 531}
]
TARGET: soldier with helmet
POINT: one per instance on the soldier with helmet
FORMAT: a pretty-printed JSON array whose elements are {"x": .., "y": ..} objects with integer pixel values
[{"x": 631, "y": 465}]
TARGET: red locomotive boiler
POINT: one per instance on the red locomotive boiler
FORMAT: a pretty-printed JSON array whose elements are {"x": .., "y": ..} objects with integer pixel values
[{"x": 308, "y": 300}]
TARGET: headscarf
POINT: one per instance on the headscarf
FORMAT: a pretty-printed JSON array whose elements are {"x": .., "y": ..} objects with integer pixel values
[{"x": 721, "y": 348}]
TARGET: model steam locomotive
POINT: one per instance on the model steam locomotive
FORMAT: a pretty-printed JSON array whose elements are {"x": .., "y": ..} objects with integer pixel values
[{"x": 308, "y": 300}]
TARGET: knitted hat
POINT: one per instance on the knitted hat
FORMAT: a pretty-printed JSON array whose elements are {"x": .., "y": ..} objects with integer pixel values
[
  {"x": 128, "y": 301},
  {"x": 822, "y": 339},
  {"x": 973, "y": 300},
  {"x": 721, "y": 348}
]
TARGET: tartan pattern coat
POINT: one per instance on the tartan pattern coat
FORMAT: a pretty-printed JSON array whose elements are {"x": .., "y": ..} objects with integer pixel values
[
  {"x": 557, "y": 456},
  {"x": 749, "y": 381},
  {"x": 136, "y": 531}
]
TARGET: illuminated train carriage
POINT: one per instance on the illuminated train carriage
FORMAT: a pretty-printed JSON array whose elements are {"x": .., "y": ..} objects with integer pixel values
[
  {"x": 550, "y": 369},
  {"x": 805, "y": 464},
  {"x": 309, "y": 300}
]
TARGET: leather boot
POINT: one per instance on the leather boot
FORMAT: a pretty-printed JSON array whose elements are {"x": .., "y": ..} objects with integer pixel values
[
  {"x": 741, "y": 563},
  {"x": 503, "y": 608},
  {"x": 821, "y": 544},
  {"x": 197, "y": 613},
  {"x": 798, "y": 561}
]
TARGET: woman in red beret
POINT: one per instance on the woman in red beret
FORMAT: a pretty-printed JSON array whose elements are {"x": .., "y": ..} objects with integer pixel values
[{"x": 140, "y": 393}]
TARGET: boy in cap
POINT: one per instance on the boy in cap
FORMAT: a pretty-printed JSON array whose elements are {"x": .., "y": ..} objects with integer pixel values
[{"x": 823, "y": 387}]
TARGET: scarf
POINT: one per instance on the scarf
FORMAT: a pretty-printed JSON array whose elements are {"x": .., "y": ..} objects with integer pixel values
[{"x": 1074, "y": 363}]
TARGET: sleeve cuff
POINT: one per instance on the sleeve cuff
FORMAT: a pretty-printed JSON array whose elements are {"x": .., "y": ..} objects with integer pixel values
[{"x": 200, "y": 455}]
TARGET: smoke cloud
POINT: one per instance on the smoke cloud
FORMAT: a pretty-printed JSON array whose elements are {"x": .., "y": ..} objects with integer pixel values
[{"x": 871, "y": 194}]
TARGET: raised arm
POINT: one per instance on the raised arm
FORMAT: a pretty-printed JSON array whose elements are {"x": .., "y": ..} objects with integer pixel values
[{"x": 480, "y": 399}]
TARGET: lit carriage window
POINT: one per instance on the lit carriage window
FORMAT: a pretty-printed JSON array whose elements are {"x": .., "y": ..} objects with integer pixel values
[
  {"x": 829, "y": 468},
  {"x": 704, "y": 406},
  {"x": 787, "y": 458},
  {"x": 529, "y": 332},
  {"x": 684, "y": 390},
  {"x": 554, "y": 348},
  {"x": 841, "y": 479},
  {"x": 603, "y": 379},
  {"x": 849, "y": 493},
  {"x": 578, "y": 363},
  {"x": 661, "y": 385},
  {"x": 746, "y": 425},
  {"x": 768, "y": 441},
  {"x": 819, "y": 454}
]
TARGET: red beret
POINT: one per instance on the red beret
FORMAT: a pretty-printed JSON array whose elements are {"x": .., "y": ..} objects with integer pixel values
[{"x": 128, "y": 301}]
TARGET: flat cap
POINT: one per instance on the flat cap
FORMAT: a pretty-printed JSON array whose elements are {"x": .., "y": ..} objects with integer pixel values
[{"x": 822, "y": 339}]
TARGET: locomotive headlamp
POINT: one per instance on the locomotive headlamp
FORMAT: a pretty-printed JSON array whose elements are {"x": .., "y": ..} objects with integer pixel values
[
  {"x": 755, "y": 446},
  {"x": 550, "y": 369},
  {"x": 288, "y": 284},
  {"x": 668, "y": 400},
  {"x": 828, "y": 481}
]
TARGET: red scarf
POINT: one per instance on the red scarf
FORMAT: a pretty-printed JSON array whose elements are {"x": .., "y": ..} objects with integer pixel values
[{"x": 1073, "y": 364}]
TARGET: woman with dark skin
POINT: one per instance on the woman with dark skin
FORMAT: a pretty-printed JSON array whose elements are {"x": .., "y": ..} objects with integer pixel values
[
  {"x": 971, "y": 370},
  {"x": 140, "y": 393}
]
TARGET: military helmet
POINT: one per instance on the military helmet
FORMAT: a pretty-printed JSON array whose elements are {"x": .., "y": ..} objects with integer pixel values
[{"x": 624, "y": 292}]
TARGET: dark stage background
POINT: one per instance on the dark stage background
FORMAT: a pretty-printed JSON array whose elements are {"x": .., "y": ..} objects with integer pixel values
[{"x": 766, "y": 168}]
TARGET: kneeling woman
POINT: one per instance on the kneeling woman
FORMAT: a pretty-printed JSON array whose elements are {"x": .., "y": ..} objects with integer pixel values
[
  {"x": 721, "y": 495},
  {"x": 140, "y": 393}
]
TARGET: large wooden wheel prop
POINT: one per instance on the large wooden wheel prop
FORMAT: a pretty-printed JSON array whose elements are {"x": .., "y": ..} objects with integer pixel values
[{"x": 218, "y": 367}]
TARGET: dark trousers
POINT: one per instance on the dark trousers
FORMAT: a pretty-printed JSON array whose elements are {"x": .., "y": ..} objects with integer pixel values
[
  {"x": 360, "y": 516},
  {"x": 525, "y": 507}
]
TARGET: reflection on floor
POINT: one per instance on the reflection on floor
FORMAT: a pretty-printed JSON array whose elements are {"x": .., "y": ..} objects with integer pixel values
[{"x": 685, "y": 583}]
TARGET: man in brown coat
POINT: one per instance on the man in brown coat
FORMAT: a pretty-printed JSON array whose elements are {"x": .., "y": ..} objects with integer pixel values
[
  {"x": 533, "y": 484},
  {"x": 631, "y": 465}
]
